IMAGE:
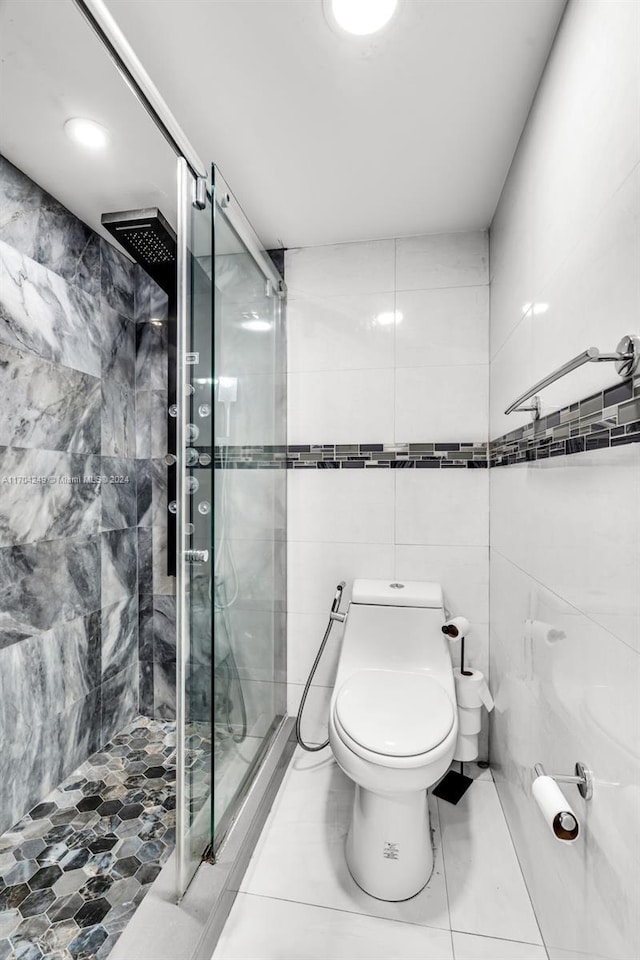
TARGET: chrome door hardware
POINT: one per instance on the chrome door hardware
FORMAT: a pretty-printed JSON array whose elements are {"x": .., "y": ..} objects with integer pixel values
[{"x": 196, "y": 556}]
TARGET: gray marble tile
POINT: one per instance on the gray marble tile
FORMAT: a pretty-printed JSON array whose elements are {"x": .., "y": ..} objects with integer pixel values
[
  {"x": 143, "y": 424},
  {"x": 144, "y": 487},
  {"x": 36, "y": 761},
  {"x": 47, "y": 495},
  {"x": 38, "y": 226},
  {"x": 119, "y": 636},
  {"x": 46, "y": 583},
  {"x": 118, "y": 420},
  {"x": 164, "y": 629},
  {"x": 119, "y": 701},
  {"x": 151, "y": 356},
  {"x": 43, "y": 314},
  {"x": 158, "y": 419},
  {"x": 145, "y": 627},
  {"x": 47, "y": 673},
  {"x": 164, "y": 690},
  {"x": 118, "y": 346},
  {"x": 145, "y": 561},
  {"x": 47, "y": 405},
  {"x": 119, "y": 565},
  {"x": 118, "y": 490},
  {"x": 146, "y": 688},
  {"x": 163, "y": 584},
  {"x": 117, "y": 279},
  {"x": 151, "y": 303},
  {"x": 159, "y": 501},
  {"x": 20, "y": 203}
]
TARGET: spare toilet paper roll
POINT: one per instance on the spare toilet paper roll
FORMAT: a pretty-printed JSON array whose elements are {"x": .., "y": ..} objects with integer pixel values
[
  {"x": 457, "y": 627},
  {"x": 556, "y": 811},
  {"x": 466, "y": 747},
  {"x": 472, "y": 689}
]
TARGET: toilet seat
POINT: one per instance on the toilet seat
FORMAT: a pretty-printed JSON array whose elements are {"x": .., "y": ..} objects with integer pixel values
[{"x": 392, "y": 715}]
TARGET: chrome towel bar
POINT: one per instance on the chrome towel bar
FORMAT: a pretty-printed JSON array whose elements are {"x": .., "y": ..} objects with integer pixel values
[{"x": 626, "y": 358}]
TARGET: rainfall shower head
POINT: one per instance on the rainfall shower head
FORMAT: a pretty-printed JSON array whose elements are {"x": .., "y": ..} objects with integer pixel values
[{"x": 148, "y": 238}]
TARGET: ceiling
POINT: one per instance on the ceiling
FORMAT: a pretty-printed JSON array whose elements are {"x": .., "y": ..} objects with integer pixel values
[{"x": 323, "y": 138}]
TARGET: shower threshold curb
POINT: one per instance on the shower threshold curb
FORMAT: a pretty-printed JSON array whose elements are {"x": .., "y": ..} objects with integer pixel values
[{"x": 162, "y": 929}]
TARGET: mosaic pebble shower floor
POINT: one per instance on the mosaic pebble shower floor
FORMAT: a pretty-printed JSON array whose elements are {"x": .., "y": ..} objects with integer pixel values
[{"x": 75, "y": 868}]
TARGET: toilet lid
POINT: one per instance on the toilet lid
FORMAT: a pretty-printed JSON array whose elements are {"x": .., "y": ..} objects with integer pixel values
[{"x": 394, "y": 713}]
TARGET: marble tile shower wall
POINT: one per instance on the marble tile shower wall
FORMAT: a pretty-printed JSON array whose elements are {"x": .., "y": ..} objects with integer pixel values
[
  {"x": 156, "y": 590},
  {"x": 388, "y": 347},
  {"x": 68, "y": 542},
  {"x": 565, "y": 530}
]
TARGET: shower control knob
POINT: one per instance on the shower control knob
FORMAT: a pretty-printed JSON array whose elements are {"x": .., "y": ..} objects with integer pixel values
[
  {"x": 204, "y": 409},
  {"x": 193, "y": 432},
  {"x": 173, "y": 410},
  {"x": 170, "y": 459},
  {"x": 192, "y": 485},
  {"x": 173, "y": 507},
  {"x": 196, "y": 556},
  {"x": 191, "y": 456},
  {"x": 204, "y": 508},
  {"x": 205, "y": 459}
]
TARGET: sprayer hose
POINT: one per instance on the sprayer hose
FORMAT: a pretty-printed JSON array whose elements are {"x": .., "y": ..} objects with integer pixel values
[{"x": 306, "y": 746}]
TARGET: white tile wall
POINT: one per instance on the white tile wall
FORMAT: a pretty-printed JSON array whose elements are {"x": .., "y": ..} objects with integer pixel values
[
  {"x": 444, "y": 507},
  {"x": 442, "y": 403},
  {"x": 356, "y": 377},
  {"x": 349, "y": 332},
  {"x": 443, "y": 260},
  {"x": 565, "y": 533},
  {"x": 442, "y": 327},
  {"x": 338, "y": 406},
  {"x": 345, "y": 268}
]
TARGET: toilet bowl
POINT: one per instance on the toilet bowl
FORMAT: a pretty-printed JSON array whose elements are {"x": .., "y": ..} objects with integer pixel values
[{"x": 393, "y": 726}]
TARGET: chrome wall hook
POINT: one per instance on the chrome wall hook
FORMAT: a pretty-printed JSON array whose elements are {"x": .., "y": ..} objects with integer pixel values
[{"x": 583, "y": 778}]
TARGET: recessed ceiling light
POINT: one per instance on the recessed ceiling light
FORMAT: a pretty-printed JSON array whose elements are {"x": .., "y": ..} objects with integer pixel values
[
  {"x": 360, "y": 17},
  {"x": 388, "y": 317},
  {"x": 87, "y": 133}
]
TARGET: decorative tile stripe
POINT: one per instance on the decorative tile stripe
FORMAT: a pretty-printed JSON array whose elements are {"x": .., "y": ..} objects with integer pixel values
[
  {"x": 606, "y": 419},
  {"x": 345, "y": 456},
  {"x": 610, "y": 418}
]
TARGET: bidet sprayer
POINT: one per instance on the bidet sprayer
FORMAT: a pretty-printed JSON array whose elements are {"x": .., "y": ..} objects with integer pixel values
[{"x": 335, "y": 606}]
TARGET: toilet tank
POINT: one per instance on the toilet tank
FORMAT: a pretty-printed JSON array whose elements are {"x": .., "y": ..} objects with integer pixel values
[{"x": 395, "y": 626}]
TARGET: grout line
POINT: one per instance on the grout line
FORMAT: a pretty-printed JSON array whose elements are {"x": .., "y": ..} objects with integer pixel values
[
  {"x": 352, "y": 913},
  {"x": 559, "y": 596},
  {"x": 486, "y": 936}
]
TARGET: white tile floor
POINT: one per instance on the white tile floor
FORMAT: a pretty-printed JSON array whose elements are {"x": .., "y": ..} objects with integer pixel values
[{"x": 298, "y": 900}]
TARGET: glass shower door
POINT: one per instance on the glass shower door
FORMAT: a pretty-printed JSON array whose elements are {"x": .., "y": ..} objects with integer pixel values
[
  {"x": 249, "y": 517},
  {"x": 231, "y": 515},
  {"x": 194, "y": 531}
]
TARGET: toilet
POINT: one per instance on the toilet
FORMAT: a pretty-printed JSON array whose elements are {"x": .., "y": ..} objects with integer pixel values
[{"x": 393, "y": 726}]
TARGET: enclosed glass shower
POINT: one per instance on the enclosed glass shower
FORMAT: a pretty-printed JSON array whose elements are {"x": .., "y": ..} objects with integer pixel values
[{"x": 231, "y": 509}]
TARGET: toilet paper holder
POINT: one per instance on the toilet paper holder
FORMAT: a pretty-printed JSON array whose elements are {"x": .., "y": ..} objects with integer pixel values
[{"x": 583, "y": 778}]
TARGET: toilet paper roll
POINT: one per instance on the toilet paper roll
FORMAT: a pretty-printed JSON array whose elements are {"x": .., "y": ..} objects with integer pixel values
[
  {"x": 457, "y": 627},
  {"x": 472, "y": 689},
  {"x": 556, "y": 811},
  {"x": 469, "y": 720},
  {"x": 466, "y": 747}
]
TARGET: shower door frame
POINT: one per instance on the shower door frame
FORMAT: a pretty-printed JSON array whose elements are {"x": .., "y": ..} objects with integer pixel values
[
  {"x": 195, "y": 835},
  {"x": 193, "y": 189}
]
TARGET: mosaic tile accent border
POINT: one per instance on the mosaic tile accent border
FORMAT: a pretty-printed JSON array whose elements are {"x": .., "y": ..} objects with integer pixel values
[
  {"x": 610, "y": 418},
  {"x": 345, "y": 456}
]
